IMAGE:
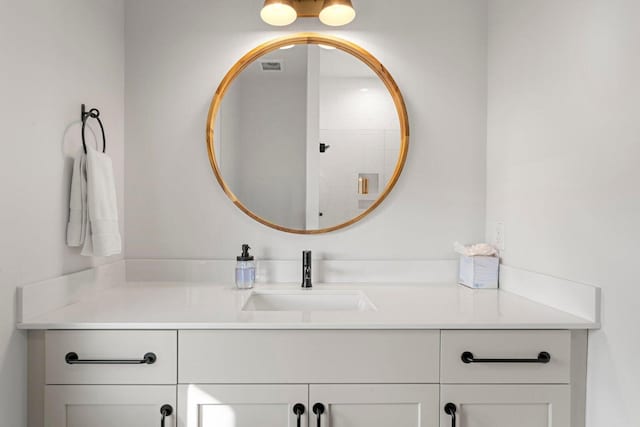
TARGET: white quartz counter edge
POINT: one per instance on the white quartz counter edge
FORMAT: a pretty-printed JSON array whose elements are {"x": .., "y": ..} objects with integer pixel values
[
  {"x": 291, "y": 326},
  {"x": 157, "y": 305}
]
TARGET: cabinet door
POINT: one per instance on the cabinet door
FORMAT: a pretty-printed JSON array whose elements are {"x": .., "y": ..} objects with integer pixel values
[
  {"x": 376, "y": 405},
  {"x": 205, "y": 405},
  {"x": 506, "y": 405},
  {"x": 108, "y": 406}
]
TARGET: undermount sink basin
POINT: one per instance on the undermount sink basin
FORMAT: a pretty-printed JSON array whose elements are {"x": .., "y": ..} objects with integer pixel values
[{"x": 308, "y": 300}]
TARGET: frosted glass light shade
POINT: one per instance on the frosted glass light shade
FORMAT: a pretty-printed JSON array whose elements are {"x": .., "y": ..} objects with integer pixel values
[
  {"x": 337, "y": 12},
  {"x": 278, "y": 12}
]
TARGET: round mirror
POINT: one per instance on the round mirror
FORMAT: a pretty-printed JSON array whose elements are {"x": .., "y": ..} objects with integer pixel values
[{"x": 307, "y": 133}]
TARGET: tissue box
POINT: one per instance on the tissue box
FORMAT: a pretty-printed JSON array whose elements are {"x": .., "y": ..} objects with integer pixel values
[{"x": 479, "y": 272}]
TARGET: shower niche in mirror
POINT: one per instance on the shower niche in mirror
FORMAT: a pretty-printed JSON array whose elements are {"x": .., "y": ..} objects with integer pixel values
[{"x": 307, "y": 133}]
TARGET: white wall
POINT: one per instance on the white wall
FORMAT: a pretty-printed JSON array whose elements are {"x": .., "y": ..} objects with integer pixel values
[
  {"x": 177, "y": 53},
  {"x": 53, "y": 57},
  {"x": 344, "y": 104},
  {"x": 363, "y": 131},
  {"x": 563, "y": 153},
  {"x": 271, "y": 158}
]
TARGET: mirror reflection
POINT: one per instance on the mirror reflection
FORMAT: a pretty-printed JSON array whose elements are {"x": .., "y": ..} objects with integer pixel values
[{"x": 307, "y": 137}]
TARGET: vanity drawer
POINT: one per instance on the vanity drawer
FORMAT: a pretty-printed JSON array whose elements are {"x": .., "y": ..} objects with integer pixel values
[
  {"x": 505, "y": 357},
  {"x": 111, "y": 357},
  {"x": 317, "y": 356}
]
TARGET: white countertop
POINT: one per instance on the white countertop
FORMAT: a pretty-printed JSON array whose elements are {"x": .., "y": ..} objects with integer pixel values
[{"x": 151, "y": 305}]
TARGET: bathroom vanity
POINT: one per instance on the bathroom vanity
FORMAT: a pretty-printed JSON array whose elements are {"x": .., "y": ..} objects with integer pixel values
[{"x": 196, "y": 355}]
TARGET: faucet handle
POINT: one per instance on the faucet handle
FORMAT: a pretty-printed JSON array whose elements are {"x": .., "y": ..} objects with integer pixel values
[
  {"x": 306, "y": 269},
  {"x": 306, "y": 257}
]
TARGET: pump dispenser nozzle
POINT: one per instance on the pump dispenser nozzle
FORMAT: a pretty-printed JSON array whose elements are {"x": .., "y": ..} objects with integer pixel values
[{"x": 245, "y": 254}]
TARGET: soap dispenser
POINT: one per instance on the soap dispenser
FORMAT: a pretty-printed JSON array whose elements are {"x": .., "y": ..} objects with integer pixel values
[{"x": 245, "y": 269}]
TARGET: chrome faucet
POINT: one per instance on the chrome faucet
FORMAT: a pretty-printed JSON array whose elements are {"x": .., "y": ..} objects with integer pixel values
[{"x": 306, "y": 269}]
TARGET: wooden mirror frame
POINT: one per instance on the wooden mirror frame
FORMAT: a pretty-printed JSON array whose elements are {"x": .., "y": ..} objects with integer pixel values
[{"x": 310, "y": 38}]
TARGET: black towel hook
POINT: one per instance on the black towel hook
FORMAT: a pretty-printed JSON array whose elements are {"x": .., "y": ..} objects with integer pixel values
[{"x": 95, "y": 114}]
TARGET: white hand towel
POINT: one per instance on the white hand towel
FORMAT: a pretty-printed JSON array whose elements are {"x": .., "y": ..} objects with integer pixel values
[
  {"x": 77, "y": 224},
  {"x": 102, "y": 236}
]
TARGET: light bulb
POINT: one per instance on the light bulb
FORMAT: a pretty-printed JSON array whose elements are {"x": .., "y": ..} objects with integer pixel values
[
  {"x": 278, "y": 12},
  {"x": 337, "y": 12}
]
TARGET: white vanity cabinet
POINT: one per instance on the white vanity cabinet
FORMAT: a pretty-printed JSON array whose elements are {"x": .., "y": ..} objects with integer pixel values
[
  {"x": 373, "y": 405},
  {"x": 354, "y": 378},
  {"x": 111, "y": 357},
  {"x": 505, "y": 405},
  {"x": 506, "y": 378},
  {"x": 109, "y": 406},
  {"x": 336, "y": 405},
  {"x": 308, "y": 356},
  {"x": 110, "y": 379},
  {"x": 341, "y": 378},
  {"x": 232, "y": 405}
]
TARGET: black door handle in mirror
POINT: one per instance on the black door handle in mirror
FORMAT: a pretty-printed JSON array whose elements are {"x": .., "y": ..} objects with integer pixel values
[
  {"x": 166, "y": 411},
  {"x": 450, "y": 409},
  {"x": 318, "y": 409},
  {"x": 468, "y": 357},
  {"x": 298, "y": 409},
  {"x": 72, "y": 358}
]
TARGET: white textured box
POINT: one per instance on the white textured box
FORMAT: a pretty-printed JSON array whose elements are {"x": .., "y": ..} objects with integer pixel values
[{"x": 479, "y": 272}]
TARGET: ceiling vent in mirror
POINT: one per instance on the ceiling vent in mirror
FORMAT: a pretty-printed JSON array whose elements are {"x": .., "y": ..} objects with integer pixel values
[
  {"x": 334, "y": 13},
  {"x": 272, "y": 65}
]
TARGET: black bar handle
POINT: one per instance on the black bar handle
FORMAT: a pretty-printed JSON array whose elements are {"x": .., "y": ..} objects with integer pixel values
[
  {"x": 166, "y": 411},
  {"x": 318, "y": 409},
  {"x": 72, "y": 358},
  {"x": 298, "y": 409},
  {"x": 450, "y": 409},
  {"x": 543, "y": 357}
]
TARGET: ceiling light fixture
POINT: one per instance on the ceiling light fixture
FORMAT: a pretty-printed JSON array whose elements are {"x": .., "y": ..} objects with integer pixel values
[
  {"x": 278, "y": 12},
  {"x": 334, "y": 13}
]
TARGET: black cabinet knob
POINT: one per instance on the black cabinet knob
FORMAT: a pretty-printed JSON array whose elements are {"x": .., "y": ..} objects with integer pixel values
[
  {"x": 451, "y": 409},
  {"x": 298, "y": 409}
]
